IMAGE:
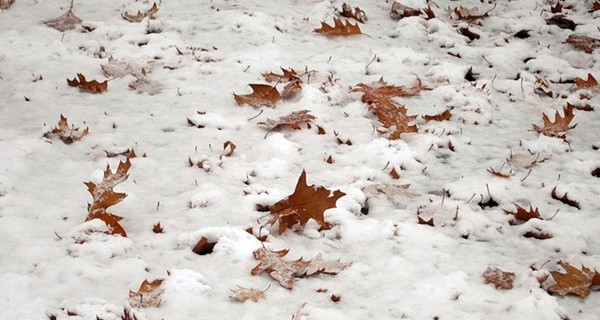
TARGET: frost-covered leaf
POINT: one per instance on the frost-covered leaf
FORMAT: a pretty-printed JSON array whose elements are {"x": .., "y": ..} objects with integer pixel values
[
  {"x": 585, "y": 43},
  {"x": 148, "y": 295},
  {"x": 67, "y": 134},
  {"x": 500, "y": 279},
  {"x": 559, "y": 126},
  {"x": 150, "y": 13},
  {"x": 5, "y": 4},
  {"x": 68, "y": 21},
  {"x": 306, "y": 203},
  {"x": 565, "y": 198},
  {"x": 292, "y": 120},
  {"x": 391, "y": 191},
  {"x": 400, "y": 11},
  {"x": 523, "y": 214},
  {"x": 144, "y": 84}
]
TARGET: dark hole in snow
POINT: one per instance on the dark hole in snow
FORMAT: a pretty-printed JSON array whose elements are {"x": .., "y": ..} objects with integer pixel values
[
  {"x": 523, "y": 34},
  {"x": 262, "y": 208},
  {"x": 596, "y": 172},
  {"x": 490, "y": 203},
  {"x": 365, "y": 209},
  {"x": 562, "y": 22}
]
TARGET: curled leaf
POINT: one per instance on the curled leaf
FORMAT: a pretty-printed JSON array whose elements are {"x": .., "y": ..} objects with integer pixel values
[{"x": 262, "y": 94}]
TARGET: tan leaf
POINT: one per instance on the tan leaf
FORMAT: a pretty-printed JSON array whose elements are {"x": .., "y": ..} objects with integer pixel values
[
  {"x": 150, "y": 13},
  {"x": 242, "y": 294},
  {"x": 67, "y": 134},
  {"x": 500, "y": 279},
  {"x": 389, "y": 190},
  {"x": 339, "y": 28},
  {"x": 585, "y": 43},
  {"x": 262, "y": 94},
  {"x": 5, "y": 4},
  {"x": 574, "y": 281},
  {"x": 68, "y": 21},
  {"x": 306, "y": 203},
  {"x": 292, "y": 120},
  {"x": 560, "y": 126},
  {"x": 400, "y": 11},
  {"x": 357, "y": 14},
  {"x": 92, "y": 86},
  {"x": 148, "y": 295}
]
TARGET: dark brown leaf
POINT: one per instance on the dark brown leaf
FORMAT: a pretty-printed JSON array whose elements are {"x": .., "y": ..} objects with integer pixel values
[
  {"x": 562, "y": 22},
  {"x": 565, "y": 199}
]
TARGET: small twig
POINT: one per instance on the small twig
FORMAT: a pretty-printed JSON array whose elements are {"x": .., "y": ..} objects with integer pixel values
[
  {"x": 528, "y": 173},
  {"x": 471, "y": 198},
  {"x": 557, "y": 210},
  {"x": 157, "y": 205},
  {"x": 256, "y": 116},
  {"x": 59, "y": 237},
  {"x": 386, "y": 165},
  {"x": 522, "y": 90},
  {"x": 368, "y": 64},
  {"x": 486, "y": 60}
]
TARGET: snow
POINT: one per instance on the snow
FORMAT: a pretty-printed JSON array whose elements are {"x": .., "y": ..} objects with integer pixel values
[{"x": 194, "y": 56}]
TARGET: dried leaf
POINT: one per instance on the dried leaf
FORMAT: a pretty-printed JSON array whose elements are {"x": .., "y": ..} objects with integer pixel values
[
  {"x": 204, "y": 247},
  {"x": 129, "y": 153},
  {"x": 591, "y": 82},
  {"x": 68, "y": 21},
  {"x": 468, "y": 33},
  {"x": 357, "y": 14},
  {"x": 103, "y": 195},
  {"x": 307, "y": 202},
  {"x": 446, "y": 115},
  {"x": 67, "y": 134},
  {"x": 596, "y": 6},
  {"x": 391, "y": 191},
  {"x": 339, "y": 28},
  {"x": 560, "y": 126},
  {"x": 144, "y": 84},
  {"x": 562, "y": 22},
  {"x": 523, "y": 215},
  {"x": 157, "y": 228},
  {"x": 461, "y": 13},
  {"x": 148, "y": 295},
  {"x": 150, "y": 13},
  {"x": 565, "y": 199},
  {"x": 292, "y": 120},
  {"x": 228, "y": 149},
  {"x": 500, "y": 279},
  {"x": 262, "y": 94},
  {"x": 291, "y": 90},
  {"x": 242, "y": 294},
  {"x": 5, "y": 4},
  {"x": 574, "y": 281},
  {"x": 92, "y": 86},
  {"x": 500, "y": 173},
  {"x": 285, "y": 271},
  {"x": 400, "y": 11},
  {"x": 288, "y": 75}
]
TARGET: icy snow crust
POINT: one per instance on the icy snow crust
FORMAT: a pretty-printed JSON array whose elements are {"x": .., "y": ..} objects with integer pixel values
[{"x": 199, "y": 53}]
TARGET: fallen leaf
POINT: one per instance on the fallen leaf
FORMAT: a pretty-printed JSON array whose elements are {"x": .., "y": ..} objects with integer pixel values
[
  {"x": 292, "y": 120},
  {"x": 148, "y": 295},
  {"x": 523, "y": 214},
  {"x": 291, "y": 90},
  {"x": 560, "y": 126},
  {"x": 336, "y": 298},
  {"x": 287, "y": 75},
  {"x": 204, "y": 247},
  {"x": 129, "y": 153},
  {"x": 537, "y": 233},
  {"x": 150, "y": 13},
  {"x": 68, "y": 21},
  {"x": 391, "y": 191},
  {"x": 462, "y": 13},
  {"x": 446, "y": 115},
  {"x": 565, "y": 199},
  {"x": 286, "y": 272},
  {"x": 242, "y": 294},
  {"x": 468, "y": 33},
  {"x": 67, "y": 134},
  {"x": 596, "y": 6},
  {"x": 339, "y": 28},
  {"x": 228, "y": 149},
  {"x": 306, "y": 203},
  {"x": 91, "y": 86},
  {"x": 400, "y": 11},
  {"x": 357, "y": 14},
  {"x": 500, "y": 279},
  {"x": 556, "y": 8},
  {"x": 262, "y": 94},
  {"x": 573, "y": 281},
  {"x": 501, "y": 174},
  {"x": 562, "y": 22},
  {"x": 429, "y": 14},
  {"x": 157, "y": 228},
  {"x": 5, "y": 4},
  {"x": 144, "y": 84},
  {"x": 586, "y": 84}
]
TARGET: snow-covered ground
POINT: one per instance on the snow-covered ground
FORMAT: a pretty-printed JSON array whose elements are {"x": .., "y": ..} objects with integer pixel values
[{"x": 196, "y": 54}]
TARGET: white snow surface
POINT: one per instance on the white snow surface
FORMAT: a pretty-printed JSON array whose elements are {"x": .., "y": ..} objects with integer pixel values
[{"x": 196, "y": 55}]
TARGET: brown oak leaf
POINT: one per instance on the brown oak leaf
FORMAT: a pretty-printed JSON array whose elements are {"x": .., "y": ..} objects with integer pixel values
[
  {"x": 287, "y": 75},
  {"x": 292, "y": 120},
  {"x": 291, "y": 90},
  {"x": 6, "y": 4},
  {"x": 500, "y": 279},
  {"x": 573, "y": 281},
  {"x": 590, "y": 82},
  {"x": 204, "y": 247},
  {"x": 339, "y": 28},
  {"x": 560, "y": 126},
  {"x": 150, "y": 13},
  {"x": 585, "y": 43},
  {"x": 357, "y": 14},
  {"x": 596, "y": 6},
  {"x": 67, "y": 134},
  {"x": 242, "y": 294},
  {"x": 157, "y": 228},
  {"x": 148, "y": 295},
  {"x": 103, "y": 196},
  {"x": 286, "y": 272},
  {"x": 262, "y": 94},
  {"x": 565, "y": 199},
  {"x": 306, "y": 203},
  {"x": 400, "y": 11},
  {"x": 523, "y": 214},
  {"x": 91, "y": 86},
  {"x": 446, "y": 115},
  {"x": 68, "y": 21}
]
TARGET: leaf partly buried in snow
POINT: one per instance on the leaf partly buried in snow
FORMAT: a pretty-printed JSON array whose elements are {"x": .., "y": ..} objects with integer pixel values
[
  {"x": 68, "y": 21},
  {"x": 574, "y": 281},
  {"x": 292, "y": 120},
  {"x": 306, "y": 203},
  {"x": 150, "y": 13},
  {"x": 339, "y": 28},
  {"x": 242, "y": 294},
  {"x": 585, "y": 43},
  {"x": 588, "y": 83},
  {"x": 285, "y": 271},
  {"x": 523, "y": 214},
  {"x": 92, "y": 86},
  {"x": 262, "y": 94},
  {"x": 500, "y": 279},
  {"x": 5, "y": 4},
  {"x": 356, "y": 14},
  {"x": 559, "y": 126},
  {"x": 67, "y": 134},
  {"x": 148, "y": 295}
]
